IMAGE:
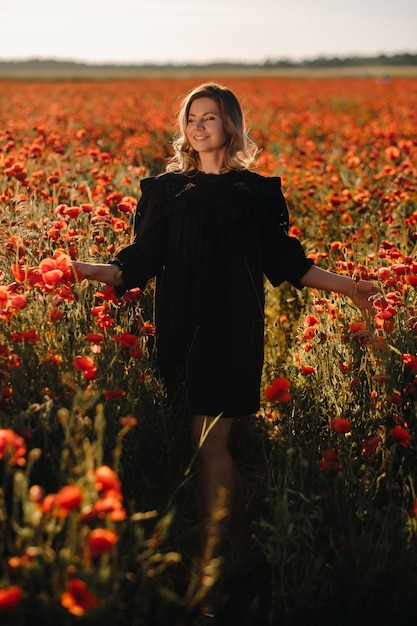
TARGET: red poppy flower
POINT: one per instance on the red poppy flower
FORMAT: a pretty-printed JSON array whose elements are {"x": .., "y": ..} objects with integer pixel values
[
  {"x": 95, "y": 337},
  {"x": 329, "y": 461},
  {"x": 148, "y": 329},
  {"x": 401, "y": 435},
  {"x": 17, "y": 171},
  {"x": 309, "y": 332},
  {"x": 410, "y": 360},
  {"x": 69, "y": 497},
  {"x": 12, "y": 447},
  {"x": 106, "y": 478},
  {"x": 396, "y": 398},
  {"x": 114, "y": 394},
  {"x": 18, "y": 301},
  {"x": 278, "y": 390},
  {"x": 357, "y": 327},
  {"x": 84, "y": 363},
  {"x": 340, "y": 425},
  {"x": 311, "y": 320},
  {"x": 54, "y": 315},
  {"x": 107, "y": 294},
  {"x": 10, "y": 598},
  {"x": 72, "y": 211},
  {"x": 100, "y": 541},
  {"x": 369, "y": 447},
  {"x": 51, "y": 274},
  {"x": 131, "y": 342},
  {"x": 77, "y": 598},
  {"x": 26, "y": 335}
]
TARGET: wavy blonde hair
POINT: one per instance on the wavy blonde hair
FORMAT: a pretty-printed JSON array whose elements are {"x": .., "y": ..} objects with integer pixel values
[{"x": 240, "y": 149}]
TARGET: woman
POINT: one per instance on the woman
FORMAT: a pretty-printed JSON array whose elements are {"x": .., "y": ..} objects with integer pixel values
[{"x": 209, "y": 229}]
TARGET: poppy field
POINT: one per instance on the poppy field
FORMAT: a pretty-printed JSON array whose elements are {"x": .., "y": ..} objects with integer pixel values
[{"x": 97, "y": 503}]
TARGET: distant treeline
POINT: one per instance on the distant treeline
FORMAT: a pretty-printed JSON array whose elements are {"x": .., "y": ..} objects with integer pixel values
[
  {"x": 405, "y": 59},
  {"x": 351, "y": 61}
]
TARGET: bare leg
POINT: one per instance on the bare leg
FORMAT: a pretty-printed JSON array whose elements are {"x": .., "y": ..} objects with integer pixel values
[{"x": 215, "y": 469}]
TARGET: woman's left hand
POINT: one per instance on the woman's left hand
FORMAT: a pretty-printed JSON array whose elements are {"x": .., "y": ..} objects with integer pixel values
[{"x": 362, "y": 297}]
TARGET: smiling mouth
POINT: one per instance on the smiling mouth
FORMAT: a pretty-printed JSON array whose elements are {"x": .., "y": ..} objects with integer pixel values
[{"x": 200, "y": 138}]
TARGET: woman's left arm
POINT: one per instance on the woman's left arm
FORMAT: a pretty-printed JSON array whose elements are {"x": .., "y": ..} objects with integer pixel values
[{"x": 360, "y": 291}]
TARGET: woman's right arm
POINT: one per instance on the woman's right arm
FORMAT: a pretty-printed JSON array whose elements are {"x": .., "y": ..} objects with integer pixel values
[{"x": 102, "y": 272}]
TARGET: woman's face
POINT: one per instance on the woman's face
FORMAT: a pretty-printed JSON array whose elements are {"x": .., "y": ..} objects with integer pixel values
[{"x": 205, "y": 129}]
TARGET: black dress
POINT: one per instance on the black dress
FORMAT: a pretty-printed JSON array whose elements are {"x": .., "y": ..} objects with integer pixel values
[{"x": 209, "y": 240}]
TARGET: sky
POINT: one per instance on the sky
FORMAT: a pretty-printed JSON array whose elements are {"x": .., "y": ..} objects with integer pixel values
[{"x": 200, "y": 31}]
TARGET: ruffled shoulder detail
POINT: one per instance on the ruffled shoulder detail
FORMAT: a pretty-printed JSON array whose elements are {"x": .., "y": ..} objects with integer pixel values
[
  {"x": 145, "y": 183},
  {"x": 171, "y": 182},
  {"x": 269, "y": 186}
]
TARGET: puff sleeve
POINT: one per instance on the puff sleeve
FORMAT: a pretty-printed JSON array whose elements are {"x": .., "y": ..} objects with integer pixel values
[
  {"x": 145, "y": 256},
  {"x": 284, "y": 258}
]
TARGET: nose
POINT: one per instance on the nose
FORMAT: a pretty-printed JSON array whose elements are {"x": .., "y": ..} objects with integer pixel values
[{"x": 199, "y": 123}]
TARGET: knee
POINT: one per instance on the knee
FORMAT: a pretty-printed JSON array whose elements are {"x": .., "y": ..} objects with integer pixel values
[{"x": 209, "y": 443}]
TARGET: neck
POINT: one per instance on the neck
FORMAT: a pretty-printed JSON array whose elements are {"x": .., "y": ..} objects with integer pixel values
[
  {"x": 222, "y": 170},
  {"x": 212, "y": 164}
]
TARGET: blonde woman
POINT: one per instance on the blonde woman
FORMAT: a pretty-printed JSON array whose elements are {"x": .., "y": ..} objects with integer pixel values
[{"x": 210, "y": 230}]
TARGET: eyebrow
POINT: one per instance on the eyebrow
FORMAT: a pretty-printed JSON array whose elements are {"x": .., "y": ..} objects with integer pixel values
[{"x": 206, "y": 113}]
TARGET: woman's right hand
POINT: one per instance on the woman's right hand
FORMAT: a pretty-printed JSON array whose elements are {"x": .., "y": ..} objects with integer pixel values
[
  {"x": 102, "y": 272},
  {"x": 83, "y": 270}
]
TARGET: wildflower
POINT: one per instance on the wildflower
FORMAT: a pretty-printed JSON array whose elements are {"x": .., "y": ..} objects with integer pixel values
[
  {"x": 53, "y": 360},
  {"x": 54, "y": 315},
  {"x": 56, "y": 269},
  {"x": 106, "y": 478},
  {"x": 17, "y": 171},
  {"x": 278, "y": 390},
  {"x": 133, "y": 294},
  {"x": 329, "y": 461},
  {"x": 396, "y": 398},
  {"x": 311, "y": 320},
  {"x": 410, "y": 360},
  {"x": 26, "y": 335},
  {"x": 69, "y": 497},
  {"x": 51, "y": 274},
  {"x": 148, "y": 329},
  {"x": 357, "y": 327},
  {"x": 340, "y": 425},
  {"x": 48, "y": 504},
  {"x": 12, "y": 447},
  {"x": 95, "y": 337},
  {"x": 77, "y": 599},
  {"x": 18, "y": 301},
  {"x": 107, "y": 294},
  {"x": 369, "y": 447},
  {"x": 110, "y": 504},
  {"x": 306, "y": 370},
  {"x": 401, "y": 435},
  {"x": 114, "y": 394},
  {"x": 344, "y": 367},
  {"x": 129, "y": 421},
  {"x": 309, "y": 332},
  {"x": 10, "y": 598},
  {"x": 72, "y": 211},
  {"x": 85, "y": 364},
  {"x": 100, "y": 541},
  {"x": 131, "y": 342}
]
